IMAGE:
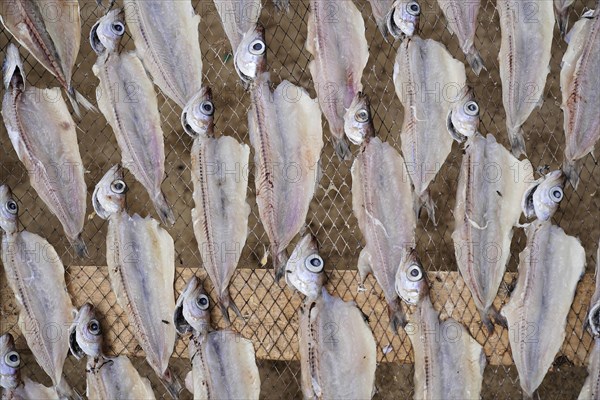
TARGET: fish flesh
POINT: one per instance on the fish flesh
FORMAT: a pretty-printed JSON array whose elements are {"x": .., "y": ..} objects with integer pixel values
[
  {"x": 336, "y": 39},
  {"x": 166, "y": 39},
  {"x": 220, "y": 217},
  {"x": 579, "y": 76},
  {"x": 106, "y": 377},
  {"x": 403, "y": 19},
  {"x": 380, "y": 10},
  {"x": 428, "y": 82},
  {"x": 449, "y": 363},
  {"x": 591, "y": 387},
  {"x": 51, "y": 31},
  {"x": 382, "y": 201},
  {"x": 44, "y": 137},
  {"x": 36, "y": 276},
  {"x": 287, "y": 138},
  {"x": 549, "y": 268},
  {"x": 14, "y": 386},
  {"x": 127, "y": 99},
  {"x": 527, "y": 30},
  {"x": 542, "y": 198},
  {"x": 461, "y": 18},
  {"x": 141, "y": 265},
  {"x": 238, "y": 17},
  {"x": 562, "y": 8},
  {"x": 337, "y": 349},
  {"x": 491, "y": 185},
  {"x": 223, "y": 361}
]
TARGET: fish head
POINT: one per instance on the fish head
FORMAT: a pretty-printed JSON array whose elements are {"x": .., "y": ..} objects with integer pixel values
[
  {"x": 542, "y": 198},
  {"x": 197, "y": 117},
  {"x": 109, "y": 194},
  {"x": 304, "y": 270},
  {"x": 10, "y": 362},
  {"x": 403, "y": 18},
  {"x": 250, "y": 57},
  {"x": 463, "y": 119},
  {"x": 85, "y": 335},
  {"x": 192, "y": 310},
  {"x": 12, "y": 68},
  {"x": 9, "y": 210},
  {"x": 106, "y": 34},
  {"x": 358, "y": 121},
  {"x": 411, "y": 280}
]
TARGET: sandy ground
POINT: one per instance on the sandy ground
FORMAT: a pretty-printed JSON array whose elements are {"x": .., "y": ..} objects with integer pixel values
[{"x": 330, "y": 217}]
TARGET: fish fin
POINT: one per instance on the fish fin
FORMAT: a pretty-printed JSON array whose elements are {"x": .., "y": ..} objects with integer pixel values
[
  {"x": 429, "y": 206},
  {"x": 475, "y": 61},
  {"x": 364, "y": 267},
  {"x": 79, "y": 247},
  {"x": 189, "y": 382},
  {"x": 396, "y": 315},
  {"x": 171, "y": 383},
  {"x": 475, "y": 224},
  {"x": 163, "y": 209},
  {"x": 65, "y": 391},
  {"x": 563, "y": 22},
  {"x": 76, "y": 99},
  {"x": 342, "y": 149},
  {"x": 282, "y": 5},
  {"x": 571, "y": 170},
  {"x": 279, "y": 261},
  {"x": 226, "y": 303},
  {"x": 492, "y": 317},
  {"x": 517, "y": 142}
]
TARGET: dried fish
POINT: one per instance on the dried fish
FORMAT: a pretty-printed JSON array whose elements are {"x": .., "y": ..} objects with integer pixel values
[
  {"x": 223, "y": 361},
  {"x": 549, "y": 269},
  {"x": 51, "y": 31},
  {"x": 141, "y": 265},
  {"x": 336, "y": 39},
  {"x": 220, "y": 184},
  {"x": 543, "y": 197},
  {"x": 428, "y": 82},
  {"x": 449, "y": 363},
  {"x": 403, "y": 18},
  {"x": 107, "y": 377},
  {"x": 562, "y": 9},
  {"x": 527, "y": 28},
  {"x": 43, "y": 135},
  {"x": 127, "y": 99},
  {"x": 382, "y": 202},
  {"x": 238, "y": 17},
  {"x": 579, "y": 80},
  {"x": 591, "y": 387},
  {"x": 285, "y": 131},
  {"x": 36, "y": 277}
]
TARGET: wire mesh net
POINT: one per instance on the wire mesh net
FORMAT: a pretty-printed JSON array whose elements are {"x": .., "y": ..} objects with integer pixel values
[{"x": 330, "y": 217}]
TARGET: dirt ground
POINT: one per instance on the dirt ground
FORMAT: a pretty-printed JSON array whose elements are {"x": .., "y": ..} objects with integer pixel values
[{"x": 330, "y": 217}]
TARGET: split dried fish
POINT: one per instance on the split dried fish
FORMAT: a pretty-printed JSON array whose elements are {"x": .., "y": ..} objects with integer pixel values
[
  {"x": 542, "y": 198},
  {"x": 549, "y": 269},
  {"x": 591, "y": 387},
  {"x": 579, "y": 79},
  {"x": 428, "y": 81},
  {"x": 382, "y": 202},
  {"x": 403, "y": 18},
  {"x": 51, "y": 31},
  {"x": 36, "y": 277},
  {"x": 527, "y": 28},
  {"x": 107, "y": 378},
  {"x": 127, "y": 99},
  {"x": 223, "y": 361},
  {"x": 220, "y": 182},
  {"x": 238, "y": 17},
  {"x": 449, "y": 363},
  {"x": 337, "y": 349},
  {"x": 141, "y": 265},
  {"x": 562, "y": 9},
  {"x": 336, "y": 39},
  {"x": 285, "y": 131},
  {"x": 461, "y": 17},
  {"x": 44, "y": 137},
  {"x": 167, "y": 41}
]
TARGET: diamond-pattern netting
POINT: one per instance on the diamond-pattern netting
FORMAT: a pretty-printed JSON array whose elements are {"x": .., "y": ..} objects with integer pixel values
[{"x": 330, "y": 217}]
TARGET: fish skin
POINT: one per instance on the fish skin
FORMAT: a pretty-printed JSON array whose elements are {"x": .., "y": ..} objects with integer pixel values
[
  {"x": 403, "y": 19},
  {"x": 542, "y": 198},
  {"x": 419, "y": 65},
  {"x": 44, "y": 137},
  {"x": 579, "y": 76},
  {"x": 175, "y": 65},
  {"x": 562, "y": 8},
  {"x": 297, "y": 273},
  {"x": 461, "y": 18},
  {"x": 550, "y": 253},
  {"x": 380, "y": 10},
  {"x": 53, "y": 38},
  {"x": 336, "y": 39},
  {"x": 525, "y": 50},
  {"x": 238, "y": 17},
  {"x": 486, "y": 210},
  {"x": 127, "y": 100},
  {"x": 463, "y": 119}
]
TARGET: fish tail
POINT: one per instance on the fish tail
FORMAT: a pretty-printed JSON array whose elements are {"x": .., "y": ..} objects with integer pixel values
[
  {"x": 76, "y": 98},
  {"x": 282, "y": 5},
  {"x": 427, "y": 201},
  {"x": 79, "y": 247},
  {"x": 163, "y": 209},
  {"x": 65, "y": 391},
  {"x": 563, "y": 21},
  {"x": 171, "y": 383},
  {"x": 342, "y": 148},
  {"x": 279, "y": 261},
  {"x": 475, "y": 61},
  {"x": 12, "y": 68},
  {"x": 226, "y": 303},
  {"x": 571, "y": 170},
  {"x": 396, "y": 315},
  {"x": 517, "y": 142}
]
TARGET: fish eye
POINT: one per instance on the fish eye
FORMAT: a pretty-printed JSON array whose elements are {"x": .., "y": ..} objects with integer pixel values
[
  {"x": 207, "y": 108},
  {"x": 12, "y": 207},
  {"x": 556, "y": 194},
  {"x": 203, "y": 302},
  {"x": 361, "y": 115},
  {"x": 415, "y": 273},
  {"x": 12, "y": 359},
  {"x": 118, "y": 28},
  {"x": 257, "y": 47},
  {"x": 94, "y": 327},
  {"x": 314, "y": 263},
  {"x": 118, "y": 186},
  {"x": 471, "y": 108},
  {"x": 413, "y": 8}
]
